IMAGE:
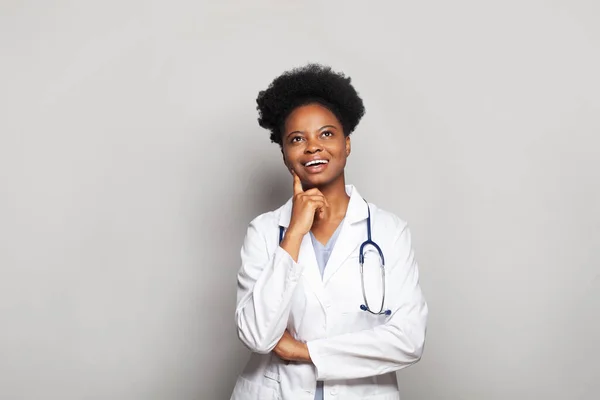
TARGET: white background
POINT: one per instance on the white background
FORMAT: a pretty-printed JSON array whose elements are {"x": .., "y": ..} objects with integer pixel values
[{"x": 131, "y": 163}]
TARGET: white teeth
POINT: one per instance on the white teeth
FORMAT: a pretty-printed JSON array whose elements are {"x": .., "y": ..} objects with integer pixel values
[{"x": 315, "y": 162}]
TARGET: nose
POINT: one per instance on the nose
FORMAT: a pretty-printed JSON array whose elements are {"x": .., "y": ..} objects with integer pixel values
[{"x": 313, "y": 146}]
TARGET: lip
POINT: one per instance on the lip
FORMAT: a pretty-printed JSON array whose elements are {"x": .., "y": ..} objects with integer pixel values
[
  {"x": 315, "y": 159},
  {"x": 317, "y": 168}
]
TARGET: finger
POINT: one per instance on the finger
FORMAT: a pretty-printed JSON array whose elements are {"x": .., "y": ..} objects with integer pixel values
[
  {"x": 317, "y": 205},
  {"x": 314, "y": 191},
  {"x": 313, "y": 197},
  {"x": 320, "y": 198},
  {"x": 306, "y": 197},
  {"x": 317, "y": 192},
  {"x": 297, "y": 184},
  {"x": 321, "y": 201}
]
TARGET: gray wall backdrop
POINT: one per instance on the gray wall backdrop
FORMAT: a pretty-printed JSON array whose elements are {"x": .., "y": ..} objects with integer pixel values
[{"x": 131, "y": 163}]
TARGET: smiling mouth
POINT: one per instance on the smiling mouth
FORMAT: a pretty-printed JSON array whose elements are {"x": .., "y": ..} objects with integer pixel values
[
  {"x": 316, "y": 166},
  {"x": 313, "y": 163}
]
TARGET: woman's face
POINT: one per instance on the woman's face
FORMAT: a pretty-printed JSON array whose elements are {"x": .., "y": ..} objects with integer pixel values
[{"x": 314, "y": 145}]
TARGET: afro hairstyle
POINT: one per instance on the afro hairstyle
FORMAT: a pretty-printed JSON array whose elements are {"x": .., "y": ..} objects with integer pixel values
[{"x": 313, "y": 83}]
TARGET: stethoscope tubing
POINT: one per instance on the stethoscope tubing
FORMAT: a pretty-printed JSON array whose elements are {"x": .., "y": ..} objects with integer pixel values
[{"x": 361, "y": 260}]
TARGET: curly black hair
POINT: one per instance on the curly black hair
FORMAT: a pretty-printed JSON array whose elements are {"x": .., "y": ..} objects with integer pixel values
[{"x": 313, "y": 83}]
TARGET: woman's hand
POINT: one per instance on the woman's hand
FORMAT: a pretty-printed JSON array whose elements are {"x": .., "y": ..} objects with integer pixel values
[
  {"x": 305, "y": 206},
  {"x": 290, "y": 349}
]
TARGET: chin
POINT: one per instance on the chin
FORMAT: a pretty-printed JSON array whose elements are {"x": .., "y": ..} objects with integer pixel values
[
  {"x": 317, "y": 181},
  {"x": 310, "y": 182}
]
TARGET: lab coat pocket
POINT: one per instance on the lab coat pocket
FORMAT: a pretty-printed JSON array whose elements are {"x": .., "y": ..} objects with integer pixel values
[
  {"x": 272, "y": 373},
  {"x": 354, "y": 321},
  {"x": 246, "y": 389}
]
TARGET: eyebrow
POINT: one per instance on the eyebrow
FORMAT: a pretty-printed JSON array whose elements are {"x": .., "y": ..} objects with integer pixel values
[{"x": 321, "y": 128}]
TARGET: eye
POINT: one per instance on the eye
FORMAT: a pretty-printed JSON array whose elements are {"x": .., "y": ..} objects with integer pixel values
[
  {"x": 296, "y": 139},
  {"x": 327, "y": 133}
]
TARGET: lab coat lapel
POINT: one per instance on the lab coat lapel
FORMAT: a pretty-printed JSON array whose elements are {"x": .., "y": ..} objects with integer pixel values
[
  {"x": 353, "y": 233},
  {"x": 306, "y": 255},
  {"x": 311, "y": 273}
]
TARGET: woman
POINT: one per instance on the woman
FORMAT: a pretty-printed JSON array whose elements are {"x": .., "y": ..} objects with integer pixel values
[{"x": 300, "y": 302}]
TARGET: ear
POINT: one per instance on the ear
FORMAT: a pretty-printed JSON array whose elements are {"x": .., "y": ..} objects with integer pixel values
[{"x": 348, "y": 146}]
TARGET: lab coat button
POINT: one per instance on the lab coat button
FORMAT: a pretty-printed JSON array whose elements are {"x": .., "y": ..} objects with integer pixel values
[{"x": 333, "y": 391}]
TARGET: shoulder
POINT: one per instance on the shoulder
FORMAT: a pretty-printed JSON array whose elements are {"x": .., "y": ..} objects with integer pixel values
[
  {"x": 387, "y": 225},
  {"x": 268, "y": 221},
  {"x": 387, "y": 219},
  {"x": 392, "y": 231},
  {"x": 261, "y": 232},
  {"x": 264, "y": 222}
]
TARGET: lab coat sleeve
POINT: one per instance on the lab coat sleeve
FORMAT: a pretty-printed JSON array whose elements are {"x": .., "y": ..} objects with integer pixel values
[
  {"x": 388, "y": 347},
  {"x": 265, "y": 284}
]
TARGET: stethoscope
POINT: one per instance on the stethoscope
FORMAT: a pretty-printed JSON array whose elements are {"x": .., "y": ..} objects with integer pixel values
[{"x": 361, "y": 260}]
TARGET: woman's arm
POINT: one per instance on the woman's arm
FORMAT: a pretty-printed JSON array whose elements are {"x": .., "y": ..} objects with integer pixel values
[
  {"x": 266, "y": 283},
  {"x": 389, "y": 347}
]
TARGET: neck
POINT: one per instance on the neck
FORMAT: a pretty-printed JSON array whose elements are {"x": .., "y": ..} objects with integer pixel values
[{"x": 338, "y": 199}]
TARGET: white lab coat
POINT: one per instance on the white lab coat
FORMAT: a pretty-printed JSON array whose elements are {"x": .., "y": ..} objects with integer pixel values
[{"x": 354, "y": 352}]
